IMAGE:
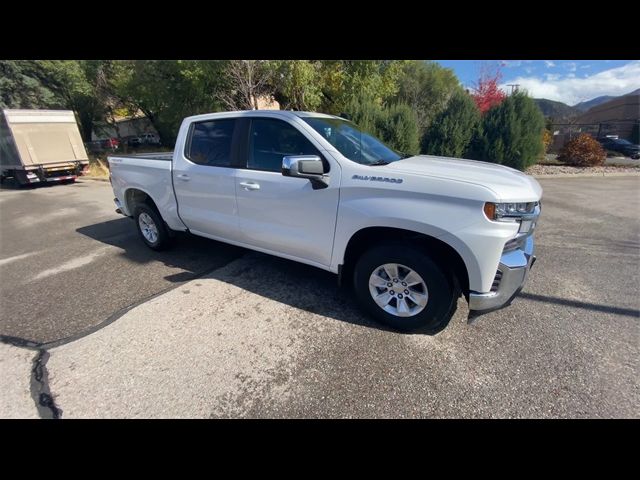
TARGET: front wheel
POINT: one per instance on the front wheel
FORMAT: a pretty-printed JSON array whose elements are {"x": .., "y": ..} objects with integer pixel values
[
  {"x": 151, "y": 227},
  {"x": 400, "y": 286}
]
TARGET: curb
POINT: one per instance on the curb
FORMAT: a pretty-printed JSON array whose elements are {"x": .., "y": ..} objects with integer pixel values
[{"x": 587, "y": 175}]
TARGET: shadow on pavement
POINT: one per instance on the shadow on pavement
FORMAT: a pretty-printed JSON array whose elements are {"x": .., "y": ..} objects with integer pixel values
[
  {"x": 284, "y": 281},
  {"x": 630, "y": 312},
  {"x": 194, "y": 255}
]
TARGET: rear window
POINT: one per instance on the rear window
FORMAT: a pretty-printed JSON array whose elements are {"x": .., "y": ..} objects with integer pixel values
[{"x": 210, "y": 143}]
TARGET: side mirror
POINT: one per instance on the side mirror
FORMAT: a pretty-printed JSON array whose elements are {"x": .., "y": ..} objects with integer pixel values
[{"x": 306, "y": 166}]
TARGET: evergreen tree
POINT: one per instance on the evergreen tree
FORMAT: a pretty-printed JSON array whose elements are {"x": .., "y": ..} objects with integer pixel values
[
  {"x": 512, "y": 133},
  {"x": 400, "y": 129},
  {"x": 452, "y": 130},
  {"x": 396, "y": 125}
]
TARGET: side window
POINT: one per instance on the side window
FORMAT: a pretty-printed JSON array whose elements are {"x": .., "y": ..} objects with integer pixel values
[
  {"x": 271, "y": 139},
  {"x": 210, "y": 143}
]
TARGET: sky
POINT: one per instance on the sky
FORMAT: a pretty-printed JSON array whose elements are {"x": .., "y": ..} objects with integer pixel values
[{"x": 567, "y": 81}]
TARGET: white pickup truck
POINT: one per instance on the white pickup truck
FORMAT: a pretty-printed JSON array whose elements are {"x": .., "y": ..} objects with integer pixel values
[{"x": 411, "y": 233}]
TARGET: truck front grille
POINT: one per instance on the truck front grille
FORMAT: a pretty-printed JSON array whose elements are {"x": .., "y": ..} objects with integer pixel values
[{"x": 496, "y": 281}]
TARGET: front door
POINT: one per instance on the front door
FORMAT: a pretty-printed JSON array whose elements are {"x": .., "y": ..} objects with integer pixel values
[{"x": 285, "y": 214}]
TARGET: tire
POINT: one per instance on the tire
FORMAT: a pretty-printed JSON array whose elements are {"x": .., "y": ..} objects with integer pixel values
[
  {"x": 442, "y": 290},
  {"x": 156, "y": 236}
]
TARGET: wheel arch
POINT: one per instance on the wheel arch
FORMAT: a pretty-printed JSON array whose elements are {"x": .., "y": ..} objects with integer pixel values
[
  {"x": 441, "y": 252},
  {"x": 134, "y": 196}
]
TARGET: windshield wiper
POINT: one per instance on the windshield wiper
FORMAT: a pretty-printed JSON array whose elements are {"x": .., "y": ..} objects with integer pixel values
[{"x": 379, "y": 162}]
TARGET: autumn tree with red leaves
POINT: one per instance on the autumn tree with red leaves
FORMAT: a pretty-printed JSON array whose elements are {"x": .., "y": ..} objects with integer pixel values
[{"x": 487, "y": 94}]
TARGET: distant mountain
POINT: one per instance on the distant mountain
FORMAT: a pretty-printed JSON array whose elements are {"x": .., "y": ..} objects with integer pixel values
[
  {"x": 557, "y": 110},
  {"x": 584, "y": 106}
]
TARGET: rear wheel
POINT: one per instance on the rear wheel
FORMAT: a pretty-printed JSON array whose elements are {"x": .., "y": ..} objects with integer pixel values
[
  {"x": 400, "y": 286},
  {"x": 151, "y": 227}
]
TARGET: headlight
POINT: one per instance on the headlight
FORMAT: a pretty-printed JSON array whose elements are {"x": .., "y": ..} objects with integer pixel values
[{"x": 509, "y": 212}]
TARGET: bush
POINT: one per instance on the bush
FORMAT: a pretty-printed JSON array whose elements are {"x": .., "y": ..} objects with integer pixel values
[
  {"x": 511, "y": 133},
  {"x": 583, "y": 151},
  {"x": 452, "y": 130}
]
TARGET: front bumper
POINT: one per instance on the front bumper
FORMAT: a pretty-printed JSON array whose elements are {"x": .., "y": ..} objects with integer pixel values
[{"x": 510, "y": 278}]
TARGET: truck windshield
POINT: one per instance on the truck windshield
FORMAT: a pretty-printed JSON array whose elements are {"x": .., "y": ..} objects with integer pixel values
[{"x": 352, "y": 142}]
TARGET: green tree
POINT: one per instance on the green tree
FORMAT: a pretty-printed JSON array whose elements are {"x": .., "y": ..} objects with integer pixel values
[
  {"x": 426, "y": 87},
  {"x": 452, "y": 130},
  {"x": 296, "y": 84},
  {"x": 400, "y": 129},
  {"x": 20, "y": 88},
  {"x": 395, "y": 124},
  {"x": 166, "y": 91},
  {"x": 344, "y": 80},
  {"x": 367, "y": 114},
  {"x": 512, "y": 133}
]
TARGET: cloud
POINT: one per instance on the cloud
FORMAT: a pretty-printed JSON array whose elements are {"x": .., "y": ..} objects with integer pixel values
[
  {"x": 549, "y": 63},
  {"x": 572, "y": 90},
  {"x": 571, "y": 66}
]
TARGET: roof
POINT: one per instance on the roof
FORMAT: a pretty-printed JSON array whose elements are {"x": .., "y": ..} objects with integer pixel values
[
  {"x": 39, "y": 116},
  {"x": 252, "y": 113},
  {"x": 315, "y": 114}
]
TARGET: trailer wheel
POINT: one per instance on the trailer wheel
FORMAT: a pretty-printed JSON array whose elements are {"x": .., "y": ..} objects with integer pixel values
[{"x": 151, "y": 227}]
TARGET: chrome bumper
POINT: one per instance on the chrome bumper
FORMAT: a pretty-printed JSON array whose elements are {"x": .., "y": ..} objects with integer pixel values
[{"x": 512, "y": 274}]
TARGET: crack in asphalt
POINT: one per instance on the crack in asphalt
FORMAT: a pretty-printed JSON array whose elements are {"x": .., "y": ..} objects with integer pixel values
[
  {"x": 40, "y": 391},
  {"x": 39, "y": 384}
]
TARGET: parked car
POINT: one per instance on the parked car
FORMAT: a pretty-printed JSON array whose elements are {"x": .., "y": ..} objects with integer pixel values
[
  {"x": 149, "y": 139},
  {"x": 620, "y": 145},
  {"x": 110, "y": 143},
  {"x": 409, "y": 233},
  {"x": 133, "y": 141}
]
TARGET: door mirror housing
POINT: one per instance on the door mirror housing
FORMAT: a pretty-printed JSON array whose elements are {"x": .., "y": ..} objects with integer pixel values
[{"x": 310, "y": 167}]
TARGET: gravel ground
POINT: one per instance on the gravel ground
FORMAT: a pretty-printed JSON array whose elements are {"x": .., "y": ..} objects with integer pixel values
[{"x": 564, "y": 169}]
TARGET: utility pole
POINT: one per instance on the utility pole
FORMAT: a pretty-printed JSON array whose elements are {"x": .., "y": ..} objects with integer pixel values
[{"x": 514, "y": 87}]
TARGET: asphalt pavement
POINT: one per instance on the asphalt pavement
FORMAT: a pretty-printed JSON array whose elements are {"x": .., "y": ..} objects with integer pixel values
[
  {"x": 259, "y": 336},
  {"x": 68, "y": 262}
]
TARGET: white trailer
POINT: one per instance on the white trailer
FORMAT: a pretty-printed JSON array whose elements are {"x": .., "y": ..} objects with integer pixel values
[{"x": 39, "y": 146}]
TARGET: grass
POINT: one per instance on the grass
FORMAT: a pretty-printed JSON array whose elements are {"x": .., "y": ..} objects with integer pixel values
[{"x": 97, "y": 168}]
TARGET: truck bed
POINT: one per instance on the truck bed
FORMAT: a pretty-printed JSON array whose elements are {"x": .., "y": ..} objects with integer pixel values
[{"x": 150, "y": 173}]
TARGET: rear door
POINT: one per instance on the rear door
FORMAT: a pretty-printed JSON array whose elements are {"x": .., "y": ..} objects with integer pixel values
[
  {"x": 285, "y": 214},
  {"x": 204, "y": 179}
]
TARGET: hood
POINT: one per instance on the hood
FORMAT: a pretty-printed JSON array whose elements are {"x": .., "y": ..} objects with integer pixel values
[{"x": 508, "y": 184}]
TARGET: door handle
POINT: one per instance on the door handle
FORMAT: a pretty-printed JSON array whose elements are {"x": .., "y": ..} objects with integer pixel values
[
  {"x": 183, "y": 176},
  {"x": 250, "y": 185}
]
